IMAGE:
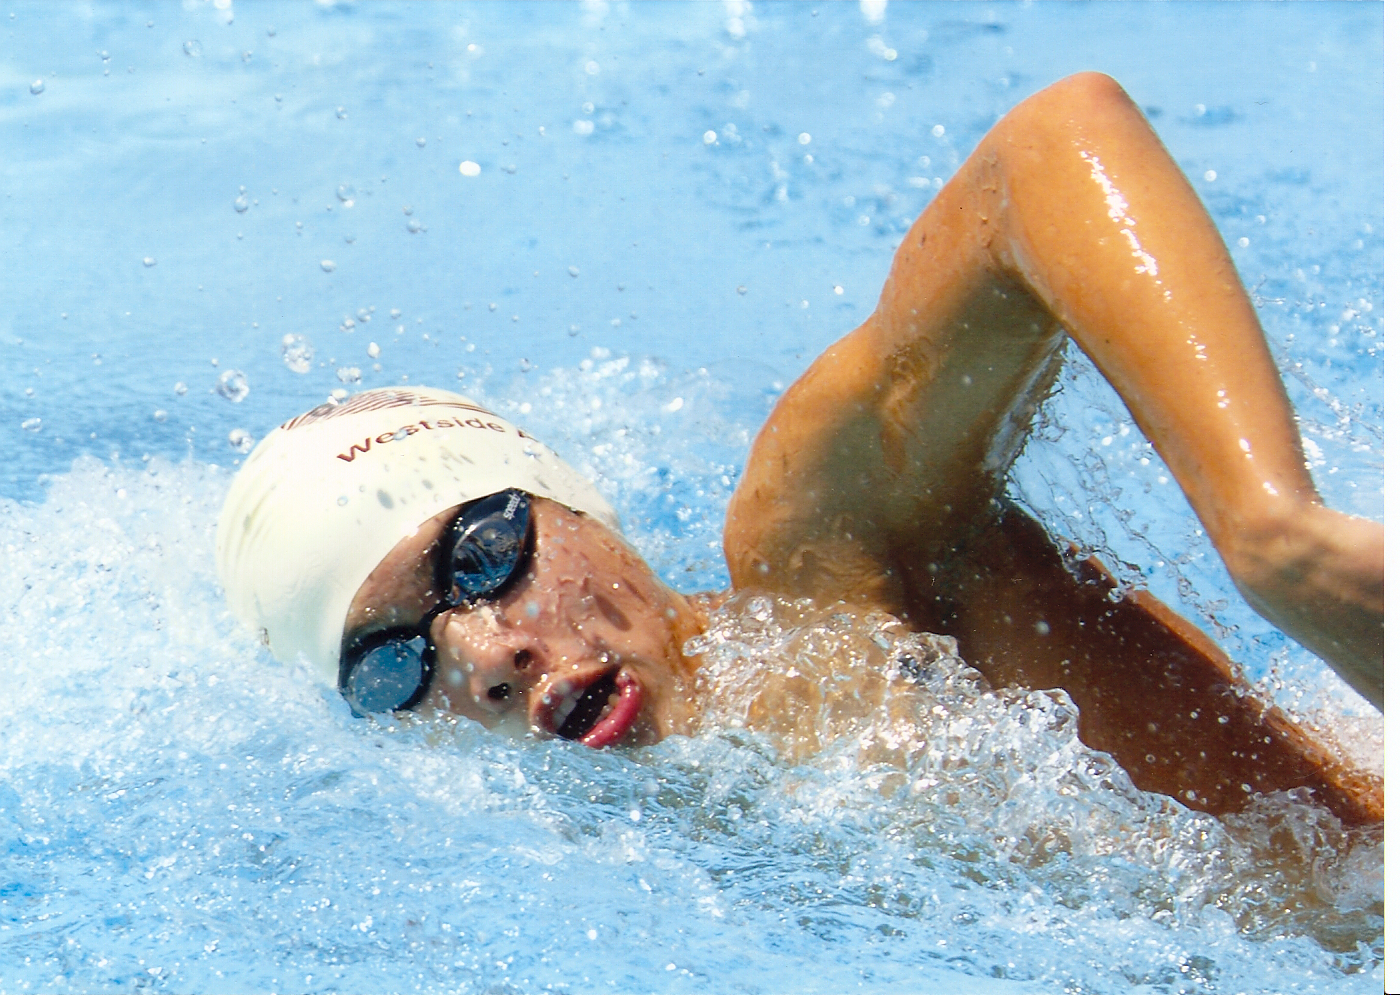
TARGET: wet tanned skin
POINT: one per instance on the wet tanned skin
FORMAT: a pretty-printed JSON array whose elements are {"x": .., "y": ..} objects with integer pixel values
[
  {"x": 877, "y": 478},
  {"x": 877, "y": 482},
  {"x": 587, "y": 606}
]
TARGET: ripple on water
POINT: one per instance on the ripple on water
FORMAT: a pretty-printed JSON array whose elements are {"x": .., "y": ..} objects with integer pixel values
[{"x": 174, "y": 799}]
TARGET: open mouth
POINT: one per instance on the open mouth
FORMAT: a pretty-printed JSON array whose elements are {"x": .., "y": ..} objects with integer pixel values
[{"x": 601, "y": 713}]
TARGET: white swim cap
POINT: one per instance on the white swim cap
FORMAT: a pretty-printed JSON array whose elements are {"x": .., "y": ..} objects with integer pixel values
[{"x": 327, "y": 495}]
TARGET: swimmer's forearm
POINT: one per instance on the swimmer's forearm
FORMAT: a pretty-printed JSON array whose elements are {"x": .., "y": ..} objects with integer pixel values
[{"x": 1069, "y": 215}]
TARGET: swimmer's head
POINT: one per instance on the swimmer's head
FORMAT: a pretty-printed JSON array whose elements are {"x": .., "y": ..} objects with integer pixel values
[{"x": 326, "y": 496}]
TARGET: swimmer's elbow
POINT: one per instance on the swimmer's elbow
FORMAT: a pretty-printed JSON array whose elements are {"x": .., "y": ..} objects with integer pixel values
[
  {"x": 1090, "y": 99},
  {"x": 1094, "y": 89}
]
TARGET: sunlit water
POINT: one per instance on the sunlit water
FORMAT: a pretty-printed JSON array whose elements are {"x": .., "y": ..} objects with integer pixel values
[{"x": 178, "y": 812}]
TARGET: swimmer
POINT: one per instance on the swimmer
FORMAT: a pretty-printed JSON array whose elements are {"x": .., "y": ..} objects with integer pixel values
[{"x": 421, "y": 552}]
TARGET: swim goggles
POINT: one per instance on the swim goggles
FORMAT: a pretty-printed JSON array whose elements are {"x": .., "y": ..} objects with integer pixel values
[{"x": 484, "y": 548}]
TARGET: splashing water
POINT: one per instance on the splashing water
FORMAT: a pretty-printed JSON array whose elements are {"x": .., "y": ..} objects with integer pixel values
[{"x": 857, "y": 810}]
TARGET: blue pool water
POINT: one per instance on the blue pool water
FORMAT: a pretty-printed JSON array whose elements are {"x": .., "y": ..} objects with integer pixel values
[{"x": 216, "y": 214}]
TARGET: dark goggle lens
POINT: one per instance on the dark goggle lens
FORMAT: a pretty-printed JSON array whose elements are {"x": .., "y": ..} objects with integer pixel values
[
  {"x": 389, "y": 675},
  {"x": 484, "y": 546}
]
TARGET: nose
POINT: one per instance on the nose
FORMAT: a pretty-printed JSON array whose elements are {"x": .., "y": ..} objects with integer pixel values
[{"x": 491, "y": 664}]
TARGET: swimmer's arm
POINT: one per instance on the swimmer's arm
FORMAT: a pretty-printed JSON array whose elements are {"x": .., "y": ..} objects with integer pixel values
[{"x": 1069, "y": 215}]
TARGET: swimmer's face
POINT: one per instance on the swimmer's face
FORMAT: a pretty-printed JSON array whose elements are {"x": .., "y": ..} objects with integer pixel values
[{"x": 585, "y": 643}]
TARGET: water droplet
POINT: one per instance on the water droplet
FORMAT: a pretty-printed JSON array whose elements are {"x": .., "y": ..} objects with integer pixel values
[
  {"x": 348, "y": 374},
  {"x": 247, "y": 56},
  {"x": 582, "y": 127},
  {"x": 240, "y": 203},
  {"x": 573, "y": 329},
  {"x": 240, "y": 440},
  {"x": 233, "y": 385},
  {"x": 804, "y": 139},
  {"x": 103, "y": 55},
  {"x": 573, "y": 271},
  {"x": 394, "y": 312},
  {"x": 709, "y": 138},
  {"x": 180, "y": 389},
  {"x": 420, "y": 142},
  {"x": 277, "y": 97},
  {"x": 148, "y": 262},
  {"x": 741, "y": 290},
  {"x": 373, "y": 350},
  {"x": 348, "y": 325},
  {"x": 328, "y": 265},
  {"x": 1210, "y": 176},
  {"x": 343, "y": 500},
  {"x": 469, "y": 168},
  {"x": 415, "y": 226},
  {"x": 297, "y": 353},
  {"x": 193, "y": 48},
  {"x": 340, "y": 113},
  {"x": 510, "y": 169},
  {"x": 346, "y": 193},
  {"x": 37, "y": 87},
  {"x": 159, "y": 414},
  {"x": 32, "y": 424},
  {"x": 272, "y": 32}
]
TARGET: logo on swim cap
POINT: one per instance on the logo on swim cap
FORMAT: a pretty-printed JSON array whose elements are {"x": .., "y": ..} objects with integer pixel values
[
  {"x": 329, "y": 493},
  {"x": 377, "y": 400}
]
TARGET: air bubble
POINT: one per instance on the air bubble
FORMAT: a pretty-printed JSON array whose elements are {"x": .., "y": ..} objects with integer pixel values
[
  {"x": 297, "y": 353},
  {"x": 240, "y": 440},
  {"x": 148, "y": 261},
  {"x": 233, "y": 385},
  {"x": 340, "y": 112},
  {"x": 420, "y": 142},
  {"x": 582, "y": 127},
  {"x": 160, "y": 414},
  {"x": 193, "y": 48},
  {"x": 240, "y": 203},
  {"x": 32, "y": 424},
  {"x": 37, "y": 87},
  {"x": 328, "y": 265},
  {"x": 346, "y": 193},
  {"x": 180, "y": 388},
  {"x": 414, "y": 226},
  {"x": 373, "y": 350}
]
